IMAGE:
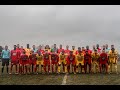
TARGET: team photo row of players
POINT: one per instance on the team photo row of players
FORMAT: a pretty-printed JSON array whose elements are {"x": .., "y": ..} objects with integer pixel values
[{"x": 59, "y": 60}]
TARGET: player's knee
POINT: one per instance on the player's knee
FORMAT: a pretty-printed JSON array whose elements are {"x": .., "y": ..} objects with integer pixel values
[{"x": 115, "y": 66}]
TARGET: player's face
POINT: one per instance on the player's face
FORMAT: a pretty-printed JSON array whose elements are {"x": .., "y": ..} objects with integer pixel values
[
  {"x": 106, "y": 45},
  {"x": 6, "y": 47},
  {"x": 73, "y": 47},
  {"x": 18, "y": 45},
  {"x": 95, "y": 51},
  {"x": 27, "y": 45},
  {"x": 54, "y": 45},
  {"x": 67, "y": 47},
  {"x": 21, "y": 47},
  {"x": 79, "y": 49},
  {"x": 112, "y": 46},
  {"x": 97, "y": 45},
  {"x": 40, "y": 47},
  {"x": 61, "y": 46},
  {"x": 103, "y": 51},
  {"x": 94, "y": 47},
  {"x": 112, "y": 50},
  {"x": 87, "y": 47},
  {"x": 82, "y": 48},
  {"x": 33, "y": 46},
  {"x": 14, "y": 46}
]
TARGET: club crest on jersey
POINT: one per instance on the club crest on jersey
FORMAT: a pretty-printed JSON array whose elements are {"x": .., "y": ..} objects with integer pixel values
[
  {"x": 39, "y": 58},
  {"x": 87, "y": 58},
  {"x": 62, "y": 57},
  {"x": 25, "y": 58},
  {"x": 79, "y": 58},
  {"x": 103, "y": 58}
]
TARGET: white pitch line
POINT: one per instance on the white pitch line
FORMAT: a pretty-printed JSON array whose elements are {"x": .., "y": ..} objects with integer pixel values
[{"x": 64, "y": 80}]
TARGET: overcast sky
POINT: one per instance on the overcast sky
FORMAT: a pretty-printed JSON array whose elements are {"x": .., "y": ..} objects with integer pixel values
[{"x": 78, "y": 25}]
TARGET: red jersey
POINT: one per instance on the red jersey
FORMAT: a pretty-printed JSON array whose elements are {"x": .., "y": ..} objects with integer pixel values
[
  {"x": 99, "y": 50},
  {"x": 54, "y": 57},
  {"x": 14, "y": 55},
  {"x": 46, "y": 56},
  {"x": 87, "y": 58},
  {"x": 24, "y": 57},
  {"x": 67, "y": 52},
  {"x": 71, "y": 58},
  {"x": 89, "y": 51},
  {"x": 40, "y": 50},
  {"x": 32, "y": 57},
  {"x": 19, "y": 52},
  {"x": 103, "y": 57},
  {"x": 60, "y": 50}
]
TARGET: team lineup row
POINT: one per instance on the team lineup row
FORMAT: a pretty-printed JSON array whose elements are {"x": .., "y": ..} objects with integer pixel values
[{"x": 28, "y": 60}]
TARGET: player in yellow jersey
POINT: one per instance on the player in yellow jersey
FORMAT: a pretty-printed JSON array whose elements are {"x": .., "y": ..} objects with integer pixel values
[
  {"x": 39, "y": 62},
  {"x": 74, "y": 50},
  {"x": 28, "y": 50},
  {"x": 95, "y": 61},
  {"x": 112, "y": 60},
  {"x": 47, "y": 48},
  {"x": 80, "y": 61},
  {"x": 62, "y": 61}
]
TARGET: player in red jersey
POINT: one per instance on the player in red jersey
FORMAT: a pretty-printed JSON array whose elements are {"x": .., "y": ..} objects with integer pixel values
[
  {"x": 87, "y": 49},
  {"x": 87, "y": 61},
  {"x": 46, "y": 61},
  {"x": 79, "y": 49},
  {"x": 40, "y": 50},
  {"x": 103, "y": 61},
  {"x": 32, "y": 61},
  {"x": 60, "y": 49},
  {"x": 98, "y": 49},
  {"x": 54, "y": 61},
  {"x": 83, "y": 50},
  {"x": 24, "y": 61},
  {"x": 14, "y": 59},
  {"x": 67, "y": 51},
  {"x": 71, "y": 61}
]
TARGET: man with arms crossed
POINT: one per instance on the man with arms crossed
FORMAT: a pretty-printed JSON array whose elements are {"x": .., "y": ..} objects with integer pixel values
[{"x": 5, "y": 58}]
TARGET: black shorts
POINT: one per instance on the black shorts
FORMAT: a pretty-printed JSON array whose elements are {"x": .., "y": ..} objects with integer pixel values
[{"x": 5, "y": 62}]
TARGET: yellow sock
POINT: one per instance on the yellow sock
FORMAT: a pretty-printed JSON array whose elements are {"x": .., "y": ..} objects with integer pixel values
[
  {"x": 65, "y": 69},
  {"x": 58, "y": 68}
]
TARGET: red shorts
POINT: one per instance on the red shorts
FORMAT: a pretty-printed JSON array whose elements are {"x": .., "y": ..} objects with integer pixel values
[
  {"x": 69, "y": 62},
  {"x": 89, "y": 62},
  {"x": 14, "y": 62},
  {"x": 46, "y": 62},
  {"x": 54, "y": 62},
  {"x": 104, "y": 62},
  {"x": 32, "y": 62},
  {"x": 24, "y": 62}
]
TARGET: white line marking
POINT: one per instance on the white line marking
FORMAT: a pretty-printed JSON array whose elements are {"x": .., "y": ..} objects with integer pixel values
[{"x": 64, "y": 80}]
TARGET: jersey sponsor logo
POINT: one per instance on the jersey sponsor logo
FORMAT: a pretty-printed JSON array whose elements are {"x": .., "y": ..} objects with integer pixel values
[
  {"x": 39, "y": 58},
  {"x": 25, "y": 58},
  {"x": 103, "y": 58},
  {"x": 79, "y": 58},
  {"x": 14, "y": 54},
  {"x": 86, "y": 58},
  {"x": 53, "y": 57},
  {"x": 71, "y": 58},
  {"x": 62, "y": 57},
  {"x": 46, "y": 57}
]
